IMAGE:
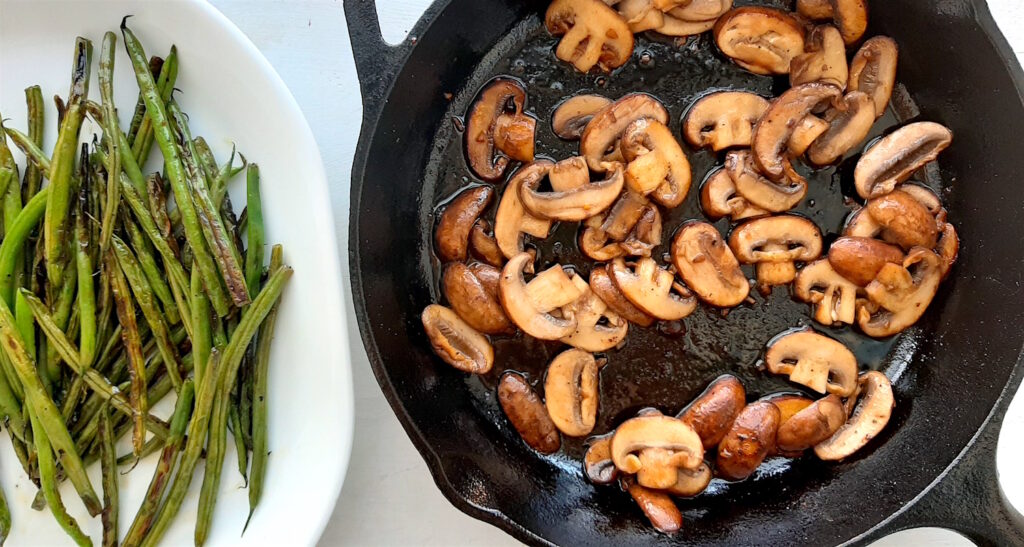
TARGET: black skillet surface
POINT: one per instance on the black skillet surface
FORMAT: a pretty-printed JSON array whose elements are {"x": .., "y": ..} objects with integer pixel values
[{"x": 953, "y": 374}]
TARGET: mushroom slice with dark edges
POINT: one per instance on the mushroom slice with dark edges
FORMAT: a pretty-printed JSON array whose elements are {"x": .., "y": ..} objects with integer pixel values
[
  {"x": 595, "y": 243},
  {"x": 572, "y": 116},
  {"x": 569, "y": 174},
  {"x": 657, "y": 506},
  {"x": 592, "y": 34},
  {"x": 454, "y": 341},
  {"x": 652, "y": 289},
  {"x": 859, "y": 259},
  {"x": 708, "y": 267},
  {"x": 577, "y": 204},
  {"x": 597, "y": 327},
  {"x": 711, "y": 414},
  {"x": 646, "y": 234},
  {"x": 806, "y": 132},
  {"x": 700, "y": 10},
  {"x": 823, "y": 60},
  {"x": 604, "y": 235},
  {"x": 851, "y": 17},
  {"x": 657, "y": 165},
  {"x": 502, "y": 98},
  {"x": 812, "y": 425},
  {"x": 483, "y": 246},
  {"x": 690, "y": 482},
  {"x": 849, "y": 121},
  {"x": 815, "y": 10},
  {"x": 528, "y": 305},
  {"x": 832, "y": 297},
  {"x": 924, "y": 195},
  {"x": 570, "y": 392},
  {"x": 773, "y": 132},
  {"x": 640, "y": 15},
  {"x": 723, "y": 119},
  {"x": 761, "y": 40},
  {"x": 895, "y": 157},
  {"x": 475, "y": 303},
  {"x": 748, "y": 442},
  {"x": 654, "y": 448},
  {"x": 813, "y": 360},
  {"x": 597, "y": 460},
  {"x": 600, "y": 140},
  {"x": 904, "y": 221},
  {"x": 900, "y": 294},
  {"x": 873, "y": 71},
  {"x": 603, "y": 286},
  {"x": 860, "y": 224},
  {"x": 624, "y": 215},
  {"x": 452, "y": 234},
  {"x": 760, "y": 191},
  {"x": 796, "y": 239},
  {"x": 868, "y": 420},
  {"x": 527, "y": 413},
  {"x": 788, "y": 404},
  {"x": 513, "y": 220},
  {"x": 948, "y": 248},
  {"x": 719, "y": 198}
]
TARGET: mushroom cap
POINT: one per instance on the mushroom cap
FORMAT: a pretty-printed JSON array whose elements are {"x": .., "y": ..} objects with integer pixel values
[
  {"x": 711, "y": 414},
  {"x": 573, "y": 114},
  {"x": 603, "y": 286},
  {"x": 873, "y": 70},
  {"x": 570, "y": 392},
  {"x": 528, "y": 304},
  {"x": 641, "y": 433},
  {"x": 483, "y": 246},
  {"x": 760, "y": 191},
  {"x": 761, "y": 40},
  {"x": 512, "y": 219},
  {"x": 924, "y": 195},
  {"x": 652, "y": 289},
  {"x": 527, "y": 413},
  {"x": 607, "y": 125},
  {"x": 859, "y": 259},
  {"x": 750, "y": 439},
  {"x": 780, "y": 238},
  {"x": 850, "y": 122},
  {"x": 812, "y": 425},
  {"x": 723, "y": 119},
  {"x": 647, "y": 140},
  {"x": 577, "y": 204},
  {"x": 904, "y": 221},
  {"x": 851, "y": 17},
  {"x": 594, "y": 34},
  {"x": 815, "y": 10},
  {"x": 454, "y": 341},
  {"x": 832, "y": 297},
  {"x": 867, "y": 421},
  {"x": 896, "y": 156},
  {"x": 718, "y": 198},
  {"x": 813, "y": 360},
  {"x": 589, "y": 310},
  {"x": 948, "y": 248},
  {"x": 494, "y": 99},
  {"x": 823, "y": 60},
  {"x": 452, "y": 234},
  {"x": 476, "y": 303},
  {"x": 776, "y": 127},
  {"x": 899, "y": 295},
  {"x": 708, "y": 267}
]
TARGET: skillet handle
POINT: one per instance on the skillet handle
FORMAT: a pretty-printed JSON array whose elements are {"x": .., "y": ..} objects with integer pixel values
[{"x": 377, "y": 62}]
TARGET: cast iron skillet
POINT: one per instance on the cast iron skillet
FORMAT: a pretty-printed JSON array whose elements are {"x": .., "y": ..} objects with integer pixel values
[{"x": 954, "y": 374}]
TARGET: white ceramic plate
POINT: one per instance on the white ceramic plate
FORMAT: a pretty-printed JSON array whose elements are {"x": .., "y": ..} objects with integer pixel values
[{"x": 232, "y": 94}]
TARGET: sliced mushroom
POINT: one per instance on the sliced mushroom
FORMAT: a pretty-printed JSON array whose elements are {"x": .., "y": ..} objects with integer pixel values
[
  {"x": 597, "y": 461},
  {"x": 603, "y": 286},
  {"x": 527, "y": 413},
  {"x": 654, "y": 448},
  {"x": 652, "y": 289},
  {"x": 572, "y": 116},
  {"x": 812, "y": 425},
  {"x": 711, "y": 414},
  {"x": 761, "y": 40},
  {"x": 624, "y": 215},
  {"x": 772, "y": 274},
  {"x": 750, "y": 439},
  {"x": 569, "y": 174},
  {"x": 904, "y": 221},
  {"x": 867, "y": 421},
  {"x": 597, "y": 327},
  {"x": 815, "y": 10},
  {"x": 657, "y": 506},
  {"x": 648, "y": 145},
  {"x": 708, "y": 267},
  {"x": 815, "y": 361},
  {"x": 592, "y": 34},
  {"x": 790, "y": 238},
  {"x": 895, "y": 157},
  {"x": 640, "y": 15},
  {"x": 483, "y": 246},
  {"x": 773, "y": 132},
  {"x": 457, "y": 343},
  {"x": 723, "y": 119},
  {"x": 924, "y": 195},
  {"x": 570, "y": 392},
  {"x": 646, "y": 234},
  {"x": 849, "y": 123},
  {"x": 718, "y": 198},
  {"x": 900, "y": 294},
  {"x": 674, "y": 26},
  {"x": 502, "y": 98},
  {"x": 700, "y": 10},
  {"x": 948, "y": 248},
  {"x": 859, "y": 259},
  {"x": 860, "y": 224},
  {"x": 873, "y": 70},
  {"x": 788, "y": 404},
  {"x": 632, "y": 219},
  {"x": 512, "y": 220},
  {"x": 851, "y": 17},
  {"x": 600, "y": 140},
  {"x": 476, "y": 304},
  {"x": 595, "y": 243},
  {"x": 761, "y": 191},
  {"x": 690, "y": 482},
  {"x": 452, "y": 235},
  {"x": 832, "y": 297},
  {"x": 528, "y": 305},
  {"x": 823, "y": 60},
  {"x": 807, "y": 131},
  {"x": 572, "y": 205}
]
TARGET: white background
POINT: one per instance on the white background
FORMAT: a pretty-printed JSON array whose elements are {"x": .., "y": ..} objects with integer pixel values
[{"x": 389, "y": 497}]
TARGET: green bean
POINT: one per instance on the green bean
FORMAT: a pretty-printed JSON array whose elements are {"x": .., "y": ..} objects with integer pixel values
[
  {"x": 35, "y": 155},
  {"x": 201, "y": 331},
  {"x": 5, "y": 518},
  {"x": 6, "y": 176},
  {"x": 208, "y": 162},
  {"x": 154, "y": 273},
  {"x": 18, "y": 232},
  {"x": 133, "y": 348},
  {"x": 158, "y": 205},
  {"x": 255, "y": 235},
  {"x": 86, "y": 290},
  {"x": 226, "y": 173},
  {"x": 65, "y": 300},
  {"x": 108, "y": 468},
  {"x": 143, "y": 142},
  {"x": 112, "y": 131},
  {"x": 156, "y": 65},
  {"x": 216, "y": 445},
  {"x": 48, "y": 478},
  {"x": 241, "y": 449},
  {"x": 63, "y": 163},
  {"x": 36, "y": 123}
]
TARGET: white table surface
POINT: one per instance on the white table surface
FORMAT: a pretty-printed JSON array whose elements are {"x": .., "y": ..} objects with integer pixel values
[{"x": 389, "y": 497}]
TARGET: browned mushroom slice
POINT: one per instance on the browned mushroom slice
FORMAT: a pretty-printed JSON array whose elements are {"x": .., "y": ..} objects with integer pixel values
[
  {"x": 528, "y": 305},
  {"x": 592, "y": 34},
  {"x": 806, "y": 132},
  {"x": 860, "y": 224},
  {"x": 718, "y": 198},
  {"x": 527, "y": 413},
  {"x": 904, "y": 221},
  {"x": 652, "y": 289},
  {"x": 474, "y": 303},
  {"x": 771, "y": 274},
  {"x": 859, "y": 259},
  {"x": 924, "y": 195},
  {"x": 812, "y": 425},
  {"x": 502, "y": 98},
  {"x": 512, "y": 220},
  {"x": 577, "y": 204},
  {"x": 457, "y": 343},
  {"x": 815, "y": 10},
  {"x": 761, "y": 40},
  {"x": 711, "y": 414},
  {"x": 600, "y": 140},
  {"x": 823, "y": 60},
  {"x": 570, "y": 392},
  {"x": 452, "y": 235},
  {"x": 646, "y": 234},
  {"x": 781, "y": 238},
  {"x": 674, "y": 26},
  {"x": 597, "y": 327},
  {"x": 773, "y": 132},
  {"x": 597, "y": 460},
  {"x": 867, "y": 421},
  {"x": 900, "y": 294},
  {"x": 690, "y": 482},
  {"x": 605, "y": 236},
  {"x": 603, "y": 286},
  {"x": 873, "y": 70},
  {"x": 813, "y": 360},
  {"x": 700, "y": 10},
  {"x": 657, "y": 165},
  {"x": 849, "y": 123},
  {"x": 595, "y": 243},
  {"x": 640, "y": 15},
  {"x": 788, "y": 404},
  {"x": 657, "y": 506},
  {"x": 723, "y": 119},
  {"x": 655, "y": 448},
  {"x": 833, "y": 297},
  {"x": 948, "y": 248},
  {"x": 624, "y": 215},
  {"x": 895, "y": 157},
  {"x": 760, "y": 191},
  {"x": 851, "y": 17},
  {"x": 572, "y": 116},
  {"x": 707, "y": 265},
  {"x": 483, "y": 246},
  {"x": 750, "y": 439}
]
